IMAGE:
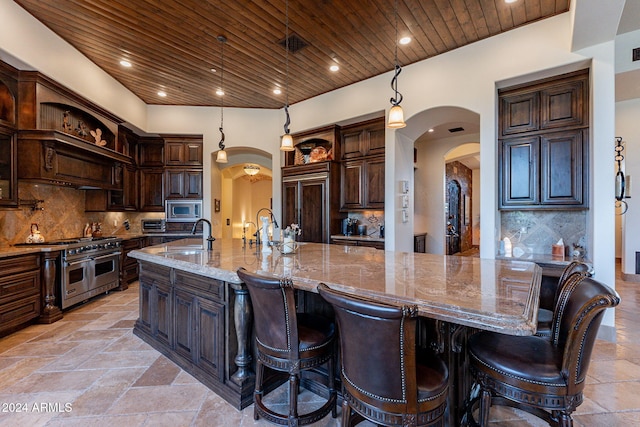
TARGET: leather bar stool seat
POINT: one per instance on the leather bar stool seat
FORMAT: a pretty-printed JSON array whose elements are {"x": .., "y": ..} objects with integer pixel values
[
  {"x": 289, "y": 342},
  {"x": 383, "y": 380},
  {"x": 543, "y": 376}
]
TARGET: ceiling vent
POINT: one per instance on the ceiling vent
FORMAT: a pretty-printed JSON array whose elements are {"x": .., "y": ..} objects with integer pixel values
[
  {"x": 454, "y": 130},
  {"x": 635, "y": 56},
  {"x": 295, "y": 43}
]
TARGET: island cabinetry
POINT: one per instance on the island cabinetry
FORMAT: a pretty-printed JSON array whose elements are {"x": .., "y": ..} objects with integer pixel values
[
  {"x": 190, "y": 320},
  {"x": 20, "y": 299}
]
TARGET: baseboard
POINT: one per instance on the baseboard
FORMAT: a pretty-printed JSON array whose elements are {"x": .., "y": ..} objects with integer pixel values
[
  {"x": 630, "y": 277},
  {"x": 607, "y": 333}
]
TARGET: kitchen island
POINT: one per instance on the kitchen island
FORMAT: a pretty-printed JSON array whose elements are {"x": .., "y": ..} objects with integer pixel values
[{"x": 195, "y": 310}]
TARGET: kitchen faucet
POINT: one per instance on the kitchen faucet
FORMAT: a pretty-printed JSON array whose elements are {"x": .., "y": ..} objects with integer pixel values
[
  {"x": 273, "y": 221},
  {"x": 210, "y": 238}
]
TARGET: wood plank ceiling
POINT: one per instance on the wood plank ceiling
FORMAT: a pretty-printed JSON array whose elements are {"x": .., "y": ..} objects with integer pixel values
[{"x": 173, "y": 45}]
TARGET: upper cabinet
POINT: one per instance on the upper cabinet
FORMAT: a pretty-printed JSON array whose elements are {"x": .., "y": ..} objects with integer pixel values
[
  {"x": 183, "y": 151},
  {"x": 363, "y": 168},
  {"x": 313, "y": 146},
  {"x": 8, "y": 137},
  {"x": 543, "y": 149}
]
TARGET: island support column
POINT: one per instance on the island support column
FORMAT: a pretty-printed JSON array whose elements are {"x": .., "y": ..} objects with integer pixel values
[{"x": 243, "y": 318}]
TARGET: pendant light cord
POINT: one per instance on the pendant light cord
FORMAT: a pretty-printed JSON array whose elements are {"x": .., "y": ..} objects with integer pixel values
[
  {"x": 222, "y": 40},
  {"x": 286, "y": 69},
  {"x": 397, "y": 99}
]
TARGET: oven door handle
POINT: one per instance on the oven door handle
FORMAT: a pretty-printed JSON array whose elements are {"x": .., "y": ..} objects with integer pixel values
[
  {"x": 107, "y": 256},
  {"x": 82, "y": 261}
]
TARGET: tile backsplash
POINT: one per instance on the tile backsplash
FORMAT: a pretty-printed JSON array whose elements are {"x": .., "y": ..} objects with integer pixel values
[
  {"x": 535, "y": 231},
  {"x": 63, "y": 215}
]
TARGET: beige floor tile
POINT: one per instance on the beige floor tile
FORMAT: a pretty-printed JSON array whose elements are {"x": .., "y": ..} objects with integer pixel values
[
  {"x": 21, "y": 369},
  {"x": 188, "y": 397},
  {"x": 135, "y": 420},
  {"x": 161, "y": 372},
  {"x": 129, "y": 359},
  {"x": 620, "y": 396},
  {"x": 614, "y": 370},
  {"x": 36, "y": 409},
  {"x": 56, "y": 381},
  {"x": 615, "y": 419}
]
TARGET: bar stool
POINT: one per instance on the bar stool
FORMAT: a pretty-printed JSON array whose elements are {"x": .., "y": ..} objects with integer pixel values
[
  {"x": 289, "y": 342},
  {"x": 545, "y": 377},
  {"x": 382, "y": 379},
  {"x": 545, "y": 312}
]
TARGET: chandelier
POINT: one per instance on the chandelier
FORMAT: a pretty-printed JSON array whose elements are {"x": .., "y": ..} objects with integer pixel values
[{"x": 251, "y": 170}]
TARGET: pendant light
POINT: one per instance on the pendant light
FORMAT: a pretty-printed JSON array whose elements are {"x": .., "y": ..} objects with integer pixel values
[
  {"x": 222, "y": 155},
  {"x": 286, "y": 143},
  {"x": 396, "y": 115}
]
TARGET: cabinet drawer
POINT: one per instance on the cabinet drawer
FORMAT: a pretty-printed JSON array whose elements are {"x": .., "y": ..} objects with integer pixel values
[
  {"x": 19, "y": 285},
  {"x": 209, "y": 288},
  {"x": 19, "y": 264},
  {"x": 18, "y": 312}
]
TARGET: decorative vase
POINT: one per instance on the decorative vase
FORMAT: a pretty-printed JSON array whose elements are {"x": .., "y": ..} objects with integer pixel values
[{"x": 289, "y": 244}]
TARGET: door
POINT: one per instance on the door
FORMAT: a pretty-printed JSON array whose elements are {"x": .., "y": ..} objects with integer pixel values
[{"x": 453, "y": 218}]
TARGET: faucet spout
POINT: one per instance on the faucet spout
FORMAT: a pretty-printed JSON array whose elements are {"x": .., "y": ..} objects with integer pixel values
[{"x": 210, "y": 238}]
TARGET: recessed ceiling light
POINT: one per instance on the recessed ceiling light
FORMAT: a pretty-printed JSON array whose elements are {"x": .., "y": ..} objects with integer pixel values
[
  {"x": 277, "y": 91},
  {"x": 219, "y": 92},
  {"x": 162, "y": 94},
  {"x": 510, "y": 1},
  {"x": 430, "y": 130},
  {"x": 213, "y": 70},
  {"x": 334, "y": 68},
  {"x": 405, "y": 40},
  {"x": 125, "y": 63}
]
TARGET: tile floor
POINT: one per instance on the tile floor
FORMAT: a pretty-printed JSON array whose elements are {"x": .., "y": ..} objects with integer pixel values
[{"x": 89, "y": 369}]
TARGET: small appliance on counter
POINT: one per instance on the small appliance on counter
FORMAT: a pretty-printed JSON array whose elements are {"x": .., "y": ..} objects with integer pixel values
[
  {"x": 349, "y": 226},
  {"x": 152, "y": 225}
]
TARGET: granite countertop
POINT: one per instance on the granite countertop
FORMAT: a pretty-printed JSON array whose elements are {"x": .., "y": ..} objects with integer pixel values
[
  {"x": 544, "y": 259},
  {"x": 497, "y": 295},
  {"x": 372, "y": 238}
]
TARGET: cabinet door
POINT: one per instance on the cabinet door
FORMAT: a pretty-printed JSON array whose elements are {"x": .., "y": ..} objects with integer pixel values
[
  {"x": 184, "y": 303},
  {"x": 374, "y": 183},
  {"x": 174, "y": 153},
  {"x": 563, "y": 105},
  {"x": 352, "y": 144},
  {"x": 519, "y": 113},
  {"x": 209, "y": 333},
  {"x": 174, "y": 184},
  {"x": 351, "y": 192},
  {"x": 150, "y": 153},
  {"x": 151, "y": 190},
  {"x": 8, "y": 169},
  {"x": 562, "y": 169},
  {"x": 376, "y": 141},
  {"x": 193, "y": 184},
  {"x": 519, "y": 172},
  {"x": 290, "y": 207},
  {"x": 314, "y": 211},
  {"x": 163, "y": 313}
]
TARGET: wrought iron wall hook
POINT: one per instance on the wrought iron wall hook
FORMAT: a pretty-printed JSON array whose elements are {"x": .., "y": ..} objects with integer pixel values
[{"x": 620, "y": 178}]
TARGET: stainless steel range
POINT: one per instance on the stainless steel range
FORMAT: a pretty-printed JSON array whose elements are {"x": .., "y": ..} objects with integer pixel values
[{"x": 89, "y": 267}]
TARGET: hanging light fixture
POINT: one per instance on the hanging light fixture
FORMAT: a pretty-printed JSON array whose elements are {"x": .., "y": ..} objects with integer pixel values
[
  {"x": 396, "y": 115},
  {"x": 251, "y": 170},
  {"x": 286, "y": 143},
  {"x": 222, "y": 155}
]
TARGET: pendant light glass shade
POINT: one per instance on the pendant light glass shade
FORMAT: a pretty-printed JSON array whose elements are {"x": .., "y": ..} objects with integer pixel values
[
  {"x": 221, "y": 157},
  {"x": 396, "y": 118},
  {"x": 286, "y": 144}
]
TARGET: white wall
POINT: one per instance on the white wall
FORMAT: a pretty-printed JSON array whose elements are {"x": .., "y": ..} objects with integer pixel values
[{"x": 628, "y": 127}]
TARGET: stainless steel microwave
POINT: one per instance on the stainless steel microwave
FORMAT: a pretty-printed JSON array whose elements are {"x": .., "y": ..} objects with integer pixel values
[{"x": 183, "y": 210}]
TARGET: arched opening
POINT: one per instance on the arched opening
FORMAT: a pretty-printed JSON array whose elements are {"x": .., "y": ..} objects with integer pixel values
[
  {"x": 445, "y": 135},
  {"x": 242, "y": 193}
]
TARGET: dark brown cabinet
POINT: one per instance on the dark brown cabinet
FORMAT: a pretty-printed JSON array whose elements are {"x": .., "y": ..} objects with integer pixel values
[
  {"x": 183, "y": 183},
  {"x": 309, "y": 199},
  {"x": 543, "y": 155},
  {"x": 8, "y": 176},
  {"x": 151, "y": 190},
  {"x": 544, "y": 171},
  {"x": 420, "y": 243},
  {"x": 183, "y": 151},
  {"x": 129, "y": 269},
  {"x": 354, "y": 242},
  {"x": 363, "y": 169},
  {"x": 20, "y": 300}
]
